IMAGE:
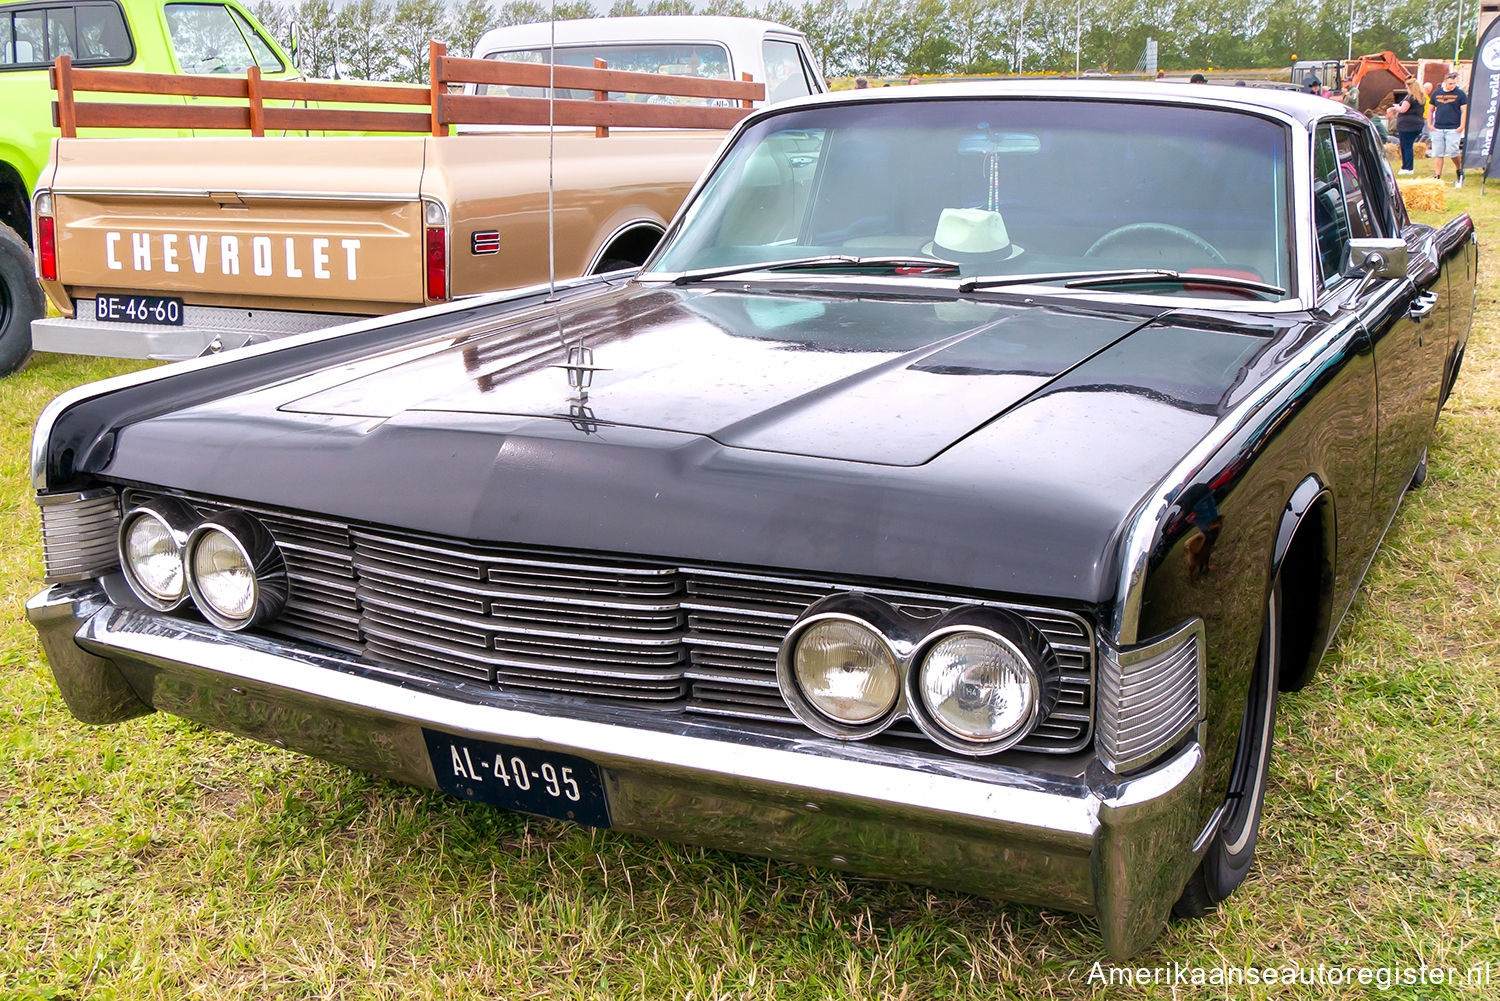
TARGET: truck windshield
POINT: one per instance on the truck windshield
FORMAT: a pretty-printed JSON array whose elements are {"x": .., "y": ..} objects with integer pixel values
[{"x": 1001, "y": 187}]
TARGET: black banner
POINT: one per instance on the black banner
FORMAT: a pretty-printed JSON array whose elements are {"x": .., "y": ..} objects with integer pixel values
[{"x": 1484, "y": 102}]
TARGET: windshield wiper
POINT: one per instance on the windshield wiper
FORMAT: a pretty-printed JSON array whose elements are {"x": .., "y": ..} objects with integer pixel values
[
  {"x": 1183, "y": 277},
  {"x": 813, "y": 263},
  {"x": 1124, "y": 276}
]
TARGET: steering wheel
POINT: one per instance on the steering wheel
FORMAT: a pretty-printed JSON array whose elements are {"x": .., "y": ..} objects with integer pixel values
[{"x": 1156, "y": 229}]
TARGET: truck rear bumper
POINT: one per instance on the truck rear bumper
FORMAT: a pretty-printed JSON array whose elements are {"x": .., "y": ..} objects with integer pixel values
[
  {"x": 202, "y": 328},
  {"x": 1120, "y": 849}
]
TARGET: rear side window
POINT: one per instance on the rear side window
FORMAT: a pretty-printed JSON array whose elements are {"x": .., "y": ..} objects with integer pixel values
[
  {"x": 212, "y": 38},
  {"x": 786, "y": 76},
  {"x": 94, "y": 34}
]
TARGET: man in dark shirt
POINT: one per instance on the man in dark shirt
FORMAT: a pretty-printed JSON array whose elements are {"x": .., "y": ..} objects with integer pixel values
[{"x": 1447, "y": 127}]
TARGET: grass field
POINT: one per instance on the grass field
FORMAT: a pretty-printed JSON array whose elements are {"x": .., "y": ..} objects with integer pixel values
[{"x": 156, "y": 859}]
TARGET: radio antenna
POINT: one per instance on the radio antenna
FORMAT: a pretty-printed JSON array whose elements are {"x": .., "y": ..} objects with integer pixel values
[{"x": 551, "y": 154}]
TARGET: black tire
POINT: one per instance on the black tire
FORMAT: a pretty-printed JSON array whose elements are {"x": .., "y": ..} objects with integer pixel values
[
  {"x": 1419, "y": 477},
  {"x": 21, "y": 300},
  {"x": 1227, "y": 860}
]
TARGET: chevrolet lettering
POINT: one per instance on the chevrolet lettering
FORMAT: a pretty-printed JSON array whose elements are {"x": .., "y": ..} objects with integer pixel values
[{"x": 324, "y": 258}]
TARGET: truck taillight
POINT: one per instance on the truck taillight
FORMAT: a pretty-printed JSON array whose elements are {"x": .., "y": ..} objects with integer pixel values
[
  {"x": 437, "y": 263},
  {"x": 46, "y": 247}
]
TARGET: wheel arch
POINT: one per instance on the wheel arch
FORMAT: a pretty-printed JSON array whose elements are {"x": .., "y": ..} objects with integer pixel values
[
  {"x": 1303, "y": 562},
  {"x": 632, "y": 242},
  {"x": 15, "y": 206}
]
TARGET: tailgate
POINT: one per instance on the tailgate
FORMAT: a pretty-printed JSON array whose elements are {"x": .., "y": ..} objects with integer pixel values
[{"x": 321, "y": 223}]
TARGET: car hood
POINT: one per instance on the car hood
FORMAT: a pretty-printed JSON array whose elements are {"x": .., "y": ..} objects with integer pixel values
[
  {"x": 797, "y": 446},
  {"x": 879, "y": 380}
]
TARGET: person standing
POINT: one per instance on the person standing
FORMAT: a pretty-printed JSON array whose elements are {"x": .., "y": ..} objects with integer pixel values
[
  {"x": 1411, "y": 118},
  {"x": 1448, "y": 110}
]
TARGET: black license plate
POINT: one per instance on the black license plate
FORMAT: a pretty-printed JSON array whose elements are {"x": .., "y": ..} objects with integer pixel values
[
  {"x": 547, "y": 783},
  {"x": 139, "y": 309}
]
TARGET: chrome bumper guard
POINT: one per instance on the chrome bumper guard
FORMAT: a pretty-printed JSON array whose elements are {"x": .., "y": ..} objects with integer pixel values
[{"x": 1117, "y": 848}]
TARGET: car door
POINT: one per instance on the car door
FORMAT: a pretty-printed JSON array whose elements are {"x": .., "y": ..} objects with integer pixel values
[{"x": 1399, "y": 314}]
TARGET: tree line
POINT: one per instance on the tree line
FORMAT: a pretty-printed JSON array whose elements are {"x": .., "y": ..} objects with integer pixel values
[{"x": 380, "y": 40}]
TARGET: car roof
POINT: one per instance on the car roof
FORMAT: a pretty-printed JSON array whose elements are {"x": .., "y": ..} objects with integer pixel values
[
  {"x": 1298, "y": 105},
  {"x": 739, "y": 32}
]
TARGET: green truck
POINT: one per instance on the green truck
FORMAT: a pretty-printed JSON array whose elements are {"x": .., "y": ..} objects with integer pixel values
[{"x": 150, "y": 36}]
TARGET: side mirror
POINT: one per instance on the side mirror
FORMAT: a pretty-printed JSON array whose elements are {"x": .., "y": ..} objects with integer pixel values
[
  {"x": 293, "y": 48},
  {"x": 1378, "y": 257},
  {"x": 1374, "y": 258}
]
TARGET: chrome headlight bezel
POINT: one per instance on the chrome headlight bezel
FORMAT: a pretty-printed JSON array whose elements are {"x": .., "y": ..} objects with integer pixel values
[
  {"x": 865, "y": 613},
  {"x": 941, "y": 730},
  {"x": 263, "y": 561},
  {"x": 178, "y": 520}
]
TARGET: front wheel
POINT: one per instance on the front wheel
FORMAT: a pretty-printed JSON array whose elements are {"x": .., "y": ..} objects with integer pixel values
[
  {"x": 1226, "y": 862},
  {"x": 20, "y": 300}
]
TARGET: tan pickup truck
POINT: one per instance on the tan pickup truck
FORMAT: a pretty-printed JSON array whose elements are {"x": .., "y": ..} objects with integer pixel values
[{"x": 173, "y": 247}]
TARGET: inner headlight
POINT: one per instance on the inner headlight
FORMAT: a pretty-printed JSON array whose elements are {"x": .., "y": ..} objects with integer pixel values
[
  {"x": 235, "y": 571},
  {"x": 978, "y": 686},
  {"x": 152, "y": 538},
  {"x": 846, "y": 670}
]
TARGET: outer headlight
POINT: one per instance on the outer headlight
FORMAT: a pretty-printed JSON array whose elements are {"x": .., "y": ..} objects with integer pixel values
[
  {"x": 841, "y": 666},
  {"x": 985, "y": 678},
  {"x": 846, "y": 670},
  {"x": 152, "y": 538},
  {"x": 235, "y": 572}
]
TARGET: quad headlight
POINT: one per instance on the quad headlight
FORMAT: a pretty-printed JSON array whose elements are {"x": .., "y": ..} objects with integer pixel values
[
  {"x": 846, "y": 670},
  {"x": 235, "y": 572},
  {"x": 976, "y": 680},
  {"x": 152, "y": 538},
  {"x": 229, "y": 564}
]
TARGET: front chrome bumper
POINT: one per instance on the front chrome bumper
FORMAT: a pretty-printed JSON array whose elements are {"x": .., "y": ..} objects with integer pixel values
[{"x": 1120, "y": 849}]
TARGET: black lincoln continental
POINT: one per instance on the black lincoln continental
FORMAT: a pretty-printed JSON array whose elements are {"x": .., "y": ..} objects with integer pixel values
[{"x": 948, "y": 498}]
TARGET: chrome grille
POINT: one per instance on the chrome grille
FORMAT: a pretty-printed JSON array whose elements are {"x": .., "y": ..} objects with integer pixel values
[
  {"x": 80, "y": 534},
  {"x": 693, "y": 639}
]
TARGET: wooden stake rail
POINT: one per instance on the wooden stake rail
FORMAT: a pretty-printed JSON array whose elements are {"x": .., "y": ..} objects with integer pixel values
[{"x": 440, "y": 108}]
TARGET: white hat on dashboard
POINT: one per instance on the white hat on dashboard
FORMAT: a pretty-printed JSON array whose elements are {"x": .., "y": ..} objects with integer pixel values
[{"x": 971, "y": 233}]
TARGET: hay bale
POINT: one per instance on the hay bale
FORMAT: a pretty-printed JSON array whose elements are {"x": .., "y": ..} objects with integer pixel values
[
  {"x": 1393, "y": 151},
  {"x": 1426, "y": 195},
  {"x": 1420, "y": 149}
]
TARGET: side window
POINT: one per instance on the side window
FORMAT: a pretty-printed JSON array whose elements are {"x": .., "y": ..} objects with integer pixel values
[
  {"x": 102, "y": 36},
  {"x": 785, "y": 76},
  {"x": 206, "y": 39},
  {"x": 265, "y": 57},
  {"x": 61, "y": 32},
  {"x": 1329, "y": 215},
  {"x": 28, "y": 45},
  {"x": 1362, "y": 197},
  {"x": 94, "y": 34}
]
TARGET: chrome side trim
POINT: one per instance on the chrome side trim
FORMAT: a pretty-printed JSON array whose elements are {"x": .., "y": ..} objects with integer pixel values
[
  {"x": 77, "y": 395},
  {"x": 331, "y": 196}
]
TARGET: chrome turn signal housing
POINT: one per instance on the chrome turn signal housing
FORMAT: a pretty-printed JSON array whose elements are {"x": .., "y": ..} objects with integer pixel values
[
  {"x": 235, "y": 572},
  {"x": 152, "y": 540}
]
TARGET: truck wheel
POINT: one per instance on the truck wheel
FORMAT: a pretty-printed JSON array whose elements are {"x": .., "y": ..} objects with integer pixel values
[
  {"x": 1226, "y": 863},
  {"x": 21, "y": 301}
]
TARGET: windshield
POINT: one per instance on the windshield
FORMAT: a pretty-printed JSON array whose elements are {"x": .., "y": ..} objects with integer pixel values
[{"x": 1001, "y": 187}]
